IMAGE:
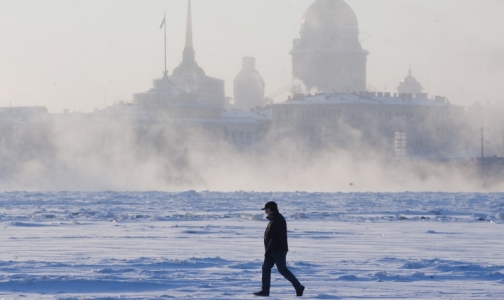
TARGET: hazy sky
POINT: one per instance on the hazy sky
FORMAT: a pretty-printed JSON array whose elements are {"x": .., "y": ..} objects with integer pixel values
[{"x": 87, "y": 54}]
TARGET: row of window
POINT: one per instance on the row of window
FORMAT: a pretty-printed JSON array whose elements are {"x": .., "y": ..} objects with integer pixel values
[{"x": 333, "y": 113}]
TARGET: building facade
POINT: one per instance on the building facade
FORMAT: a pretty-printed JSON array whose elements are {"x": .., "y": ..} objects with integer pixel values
[{"x": 372, "y": 122}]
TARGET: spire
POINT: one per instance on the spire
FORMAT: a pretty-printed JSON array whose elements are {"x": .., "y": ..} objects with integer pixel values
[
  {"x": 189, "y": 50},
  {"x": 189, "y": 40},
  {"x": 188, "y": 66}
]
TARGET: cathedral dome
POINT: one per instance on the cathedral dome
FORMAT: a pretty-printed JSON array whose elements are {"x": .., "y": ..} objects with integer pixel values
[
  {"x": 329, "y": 14},
  {"x": 330, "y": 25}
]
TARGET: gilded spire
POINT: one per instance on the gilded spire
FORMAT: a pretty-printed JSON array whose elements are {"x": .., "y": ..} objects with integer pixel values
[
  {"x": 189, "y": 39},
  {"x": 189, "y": 54}
]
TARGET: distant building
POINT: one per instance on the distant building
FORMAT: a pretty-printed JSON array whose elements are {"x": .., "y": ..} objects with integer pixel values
[
  {"x": 188, "y": 105},
  {"x": 372, "y": 122},
  {"x": 248, "y": 85},
  {"x": 166, "y": 100},
  {"x": 328, "y": 56},
  {"x": 191, "y": 78},
  {"x": 410, "y": 85}
]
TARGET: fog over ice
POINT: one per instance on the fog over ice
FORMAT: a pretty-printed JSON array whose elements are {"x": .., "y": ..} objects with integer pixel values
[
  {"x": 81, "y": 57},
  {"x": 116, "y": 155}
]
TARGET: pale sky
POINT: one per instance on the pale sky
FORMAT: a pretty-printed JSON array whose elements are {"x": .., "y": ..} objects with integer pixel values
[{"x": 86, "y": 54}]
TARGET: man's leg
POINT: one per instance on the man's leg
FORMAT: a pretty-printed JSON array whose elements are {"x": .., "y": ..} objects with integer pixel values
[
  {"x": 269, "y": 262},
  {"x": 280, "y": 261}
]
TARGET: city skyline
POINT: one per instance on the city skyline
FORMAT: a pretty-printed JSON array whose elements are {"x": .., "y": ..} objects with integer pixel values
[{"x": 77, "y": 56}]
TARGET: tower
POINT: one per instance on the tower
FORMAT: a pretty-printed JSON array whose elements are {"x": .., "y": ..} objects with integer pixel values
[
  {"x": 190, "y": 77},
  {"x": 328, "y": 56}
]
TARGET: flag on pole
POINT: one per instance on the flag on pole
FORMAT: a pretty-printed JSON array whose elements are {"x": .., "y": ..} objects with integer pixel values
[{"x": 163, "y": 23}]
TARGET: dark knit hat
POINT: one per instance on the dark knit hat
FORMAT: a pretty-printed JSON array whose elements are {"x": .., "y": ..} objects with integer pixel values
[{"x": 271, "y": 205}]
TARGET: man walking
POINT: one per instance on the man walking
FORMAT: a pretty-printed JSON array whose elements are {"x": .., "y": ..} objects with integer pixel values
[{"x": 275, "y": 243}]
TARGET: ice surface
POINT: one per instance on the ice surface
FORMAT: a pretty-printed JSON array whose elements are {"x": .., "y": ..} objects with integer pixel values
[{"x": 208, "y": 245}]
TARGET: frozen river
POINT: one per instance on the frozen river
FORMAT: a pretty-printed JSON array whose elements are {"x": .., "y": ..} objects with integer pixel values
[{"x": 208, "y": 245}]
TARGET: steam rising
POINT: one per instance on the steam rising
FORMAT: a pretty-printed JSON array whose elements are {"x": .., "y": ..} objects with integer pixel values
[
  {"x": 99, "y": 152},
  {"x": 112, "y": 154},
  {"x": 298, "y": 87}
]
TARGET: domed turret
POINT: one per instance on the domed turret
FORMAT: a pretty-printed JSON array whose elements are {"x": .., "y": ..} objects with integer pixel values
[
  {"x": 249, "y": 85},
  {"x": 409, "y": 85}
]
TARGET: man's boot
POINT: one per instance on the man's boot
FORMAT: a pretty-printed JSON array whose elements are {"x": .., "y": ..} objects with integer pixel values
[
  {"x": 299, "y": 290},
  {"x": 262, "y": 293}
]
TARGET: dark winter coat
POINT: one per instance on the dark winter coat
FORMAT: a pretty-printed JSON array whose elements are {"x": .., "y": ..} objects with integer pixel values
[{"x": 275, "y": 235}]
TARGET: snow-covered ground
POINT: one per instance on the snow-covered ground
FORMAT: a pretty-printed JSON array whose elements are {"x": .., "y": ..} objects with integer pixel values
[{"x": 208, "y": 245}]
